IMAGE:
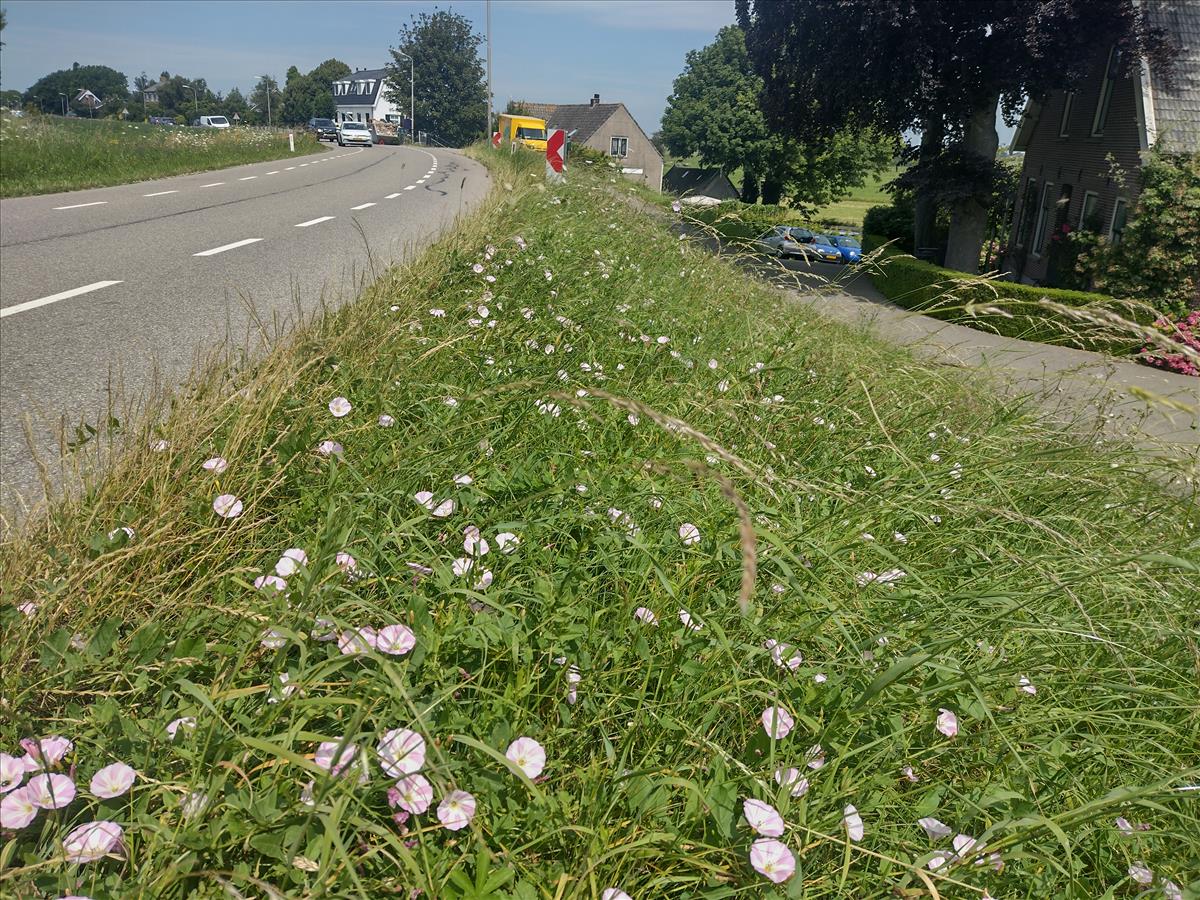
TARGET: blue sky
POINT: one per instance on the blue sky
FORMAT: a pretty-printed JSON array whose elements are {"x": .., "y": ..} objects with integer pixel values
[{"x": 557, "y": 51}]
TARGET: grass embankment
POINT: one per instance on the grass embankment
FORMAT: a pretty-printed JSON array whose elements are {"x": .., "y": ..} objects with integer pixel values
[
  {"x": 620, "y": 394},
  {"x": 44, "y": 155}
]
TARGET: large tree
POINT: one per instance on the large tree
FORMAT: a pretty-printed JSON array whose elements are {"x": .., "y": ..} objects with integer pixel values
[
  {"x": 107, "y": 84},
  {"x": 937, "y": 66},
  {"x": 714, "y": 112},
  {"x": 450, "y": 90}
]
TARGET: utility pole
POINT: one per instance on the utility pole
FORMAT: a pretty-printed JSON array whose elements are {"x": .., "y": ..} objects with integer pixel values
[
  {"x": 412, "y": 111},
  {"x": 487, "y": 128},
  {"x": 267, "y": 91}
]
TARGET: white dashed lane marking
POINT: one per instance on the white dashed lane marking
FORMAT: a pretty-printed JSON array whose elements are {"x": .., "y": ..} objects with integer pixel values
[
  {"x": 248, "y": 178},
  {"x": 289, "y": 168},
  {"x": 160, "y": 193},
  {"x": 276, "y": 172},
  {"x": 410, "y": 187},
  {"x": 215, "y": 250},
  {"x": 361, "y": 206},
  {"x": 54, "y": 298},
  {"x": 315, "y": 221},
  {"x": 214, "y": 184},
  {"x": 392, "y": 196},
  {"x": 82, "y": 205}
]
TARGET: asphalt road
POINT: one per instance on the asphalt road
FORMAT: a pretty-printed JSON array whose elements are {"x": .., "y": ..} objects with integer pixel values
[{"x": 109, "y": 291}]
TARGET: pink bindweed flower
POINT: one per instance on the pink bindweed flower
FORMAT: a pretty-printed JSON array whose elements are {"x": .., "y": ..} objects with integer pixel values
[
  {"x": 345, "y": 757},
  {"x": 273, "y": 582},
  {"x": 45, "y": 752},
  {"x": 763, "y": 818},
  {"x": 290, "y": 562},
  {"x": 347, "y": 563},
  {"x": 1026, "y": 686},
  {"x": 92, "y": 841},
  {"x": 216, "y": 465},
  {"x": 17, "y": 809},
  {"x": 772, "y": 859},
  {"x": 780, "y": 650},
  {"x": 935, "y": 829},
  {"x": 51, "y": 791},
  {"x": 689, "y": 534},
  {"x": 395, "y": 640},
  {"x": 386, "y": 421},
  {"x": 186, "y": 723},
  {"x": 414, "y": 794},
  {"x": 790, "y": 778},
  {"x": 853, "y": 822},
  {"x": 947, "y": 723},
  {"x": 358, "y": 641},
  {"x": 12, "y": 772},
  {"x": 339, "y": 407},
  {"x": 445, "y": 509},
  {"x": 777, "y": 722},
  {"x": 483, "y": 581},
  {"x": 401, "y": 752},
  {"x": 456, "y": 810},
  {"x": 909, "y": 775},
  {"x": 330, "y": 448},
  {"x": 527, "y": 755},
  {"x": 113, "y": 781},
  {"x": 227, "y": 506},
  {"x": 816, "y": 757},
  {"x": 272, "y": 639},
  {"x": 1141, "y": 873},
  {"x": 474, "y": 543},
  {"x": 692, "y": 624},
  {"x": 613, "y": 893},
  {"x": 424, "y": 498},
  {"x": 642, "y": 614},
  {"x": 28, "y": 609},
  {"x": 507, "y": 541}
]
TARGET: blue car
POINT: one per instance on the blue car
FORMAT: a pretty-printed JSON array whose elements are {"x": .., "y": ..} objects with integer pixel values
[{"x": 849, "y": 247}]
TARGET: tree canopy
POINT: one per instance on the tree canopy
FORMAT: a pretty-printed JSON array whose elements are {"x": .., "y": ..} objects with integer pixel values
[
  {"x": 714, "y": 112},
  {"x": 450, "y": 90},
  {"x": 311, "y": 95},
  {"x": 939, "y": 66},
  {"x": 107, "y": 84}
]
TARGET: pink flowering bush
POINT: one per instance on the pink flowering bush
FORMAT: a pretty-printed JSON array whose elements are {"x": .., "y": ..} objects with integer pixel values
[{"x": 1186, "y": 333}]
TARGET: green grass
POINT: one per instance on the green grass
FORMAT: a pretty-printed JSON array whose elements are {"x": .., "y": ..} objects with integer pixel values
[
  {"x": 44, "y": 154},
  {"x": 850, "y": 211},
  {"x": 1028, "y": 554}
]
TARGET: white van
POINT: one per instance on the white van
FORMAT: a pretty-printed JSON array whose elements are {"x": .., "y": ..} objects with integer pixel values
[{"x": 212, "y": 122}]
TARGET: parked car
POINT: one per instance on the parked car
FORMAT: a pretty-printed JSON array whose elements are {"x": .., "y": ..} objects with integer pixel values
[
  {"x": 161, "y": 120},
  {"x": 324, "y": 129},
  {"x": 211, "y": 122},
  {"x": 848, "y": 246},
  {"x": 354, "y": 133},
  {"x": 780, "y": 241},
  {"x": 822, "y": 249}
]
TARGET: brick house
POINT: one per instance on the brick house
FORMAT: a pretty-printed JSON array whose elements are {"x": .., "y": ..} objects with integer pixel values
[
  {"x": 1083, "y": 148},
  {"x": 609, "y": 128}
]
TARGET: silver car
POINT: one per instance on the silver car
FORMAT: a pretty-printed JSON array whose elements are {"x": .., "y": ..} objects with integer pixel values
[
  {"x": 354, "y": 133},
  {"x": 780, "y": 241}
]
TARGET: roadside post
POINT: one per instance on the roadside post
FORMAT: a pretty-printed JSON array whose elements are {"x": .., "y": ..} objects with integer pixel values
[
  {"x": 554, "y": 156},
  {"x": 496, "y": 139},
  {"x": 292, "y": 141}
]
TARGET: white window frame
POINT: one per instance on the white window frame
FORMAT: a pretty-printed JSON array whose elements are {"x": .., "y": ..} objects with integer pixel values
[
  {"x": 1100, "y": 119},
  {"x": 618, "y": 137},
  {"x": 1064, "y": 127},
  {"x": 1083, "y": 209},
  {"x": 1112, "y": 222},
  {"x": 1038, "y": 238}
]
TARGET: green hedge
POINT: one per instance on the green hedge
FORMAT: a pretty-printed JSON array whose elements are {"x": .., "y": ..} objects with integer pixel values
[
  {"x": 954, "y": 297},
  {"x": 734, "y": 219}
]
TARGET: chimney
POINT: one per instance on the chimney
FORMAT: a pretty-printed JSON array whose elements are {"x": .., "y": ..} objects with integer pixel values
[{"x": 595, "y": 100}]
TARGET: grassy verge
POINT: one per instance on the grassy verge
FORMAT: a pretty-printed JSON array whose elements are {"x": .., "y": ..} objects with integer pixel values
[
  {"x": 44, "y": 155},
  {"x": 660, "y": 434}
]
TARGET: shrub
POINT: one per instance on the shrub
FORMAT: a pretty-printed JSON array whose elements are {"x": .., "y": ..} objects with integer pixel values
[
  {"x": 1185, "y": 332},
  {"x": 1005, "y": 308},
  {"x": 894, "y": 222}
]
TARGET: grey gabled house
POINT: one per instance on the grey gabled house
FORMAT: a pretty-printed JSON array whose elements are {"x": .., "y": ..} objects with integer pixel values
[
  {"x": 609, "y": 128},
  {"x": 1083, "y": 148}
]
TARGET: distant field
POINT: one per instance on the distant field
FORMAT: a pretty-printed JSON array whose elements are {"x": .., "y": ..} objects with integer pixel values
[
  {"x": 43, "y": 155},
  {"x": 852, "y": 209}
]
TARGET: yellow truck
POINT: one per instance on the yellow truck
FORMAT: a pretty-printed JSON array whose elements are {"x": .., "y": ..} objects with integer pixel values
[{"x": 524, "y": 130}]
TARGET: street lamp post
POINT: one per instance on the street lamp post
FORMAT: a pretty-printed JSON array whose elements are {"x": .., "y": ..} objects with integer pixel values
[
  {"x": 412, "y": 112},
  {"x": 267, "y": 90},
  {"x": 195, "y": 99},
  {"x": 64, "y": 103}
]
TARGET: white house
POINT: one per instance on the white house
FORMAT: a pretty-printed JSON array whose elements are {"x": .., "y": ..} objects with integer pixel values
[{"x": 359, "y": 97}]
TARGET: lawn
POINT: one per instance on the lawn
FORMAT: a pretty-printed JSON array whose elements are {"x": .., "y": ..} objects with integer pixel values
[
  {"x": 45, "y": 154},
  {"x": 570, "y": 562},
  {"x": 850, "y": 211}
]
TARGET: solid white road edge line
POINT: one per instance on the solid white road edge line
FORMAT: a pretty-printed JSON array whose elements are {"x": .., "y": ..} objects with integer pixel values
[
  {"x": 315, "y": 221},
  {"x": 160, "y": 193},
  {"x": 54, "y": 298},
  {"x": 392, "y": 196},
  {"x": 215, "y": 250},
  {"x": 361, "y": 206},
  {"x": 82, "y": 205}
]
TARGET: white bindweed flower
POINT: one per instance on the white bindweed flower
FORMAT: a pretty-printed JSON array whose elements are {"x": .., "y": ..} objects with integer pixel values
[
  {"x": 340, "y": 407},
  {"x": 401, "y": 752},
  {"x": 772, "y": 859},
  {"x": 1141, "y": 873},
  {"x": 777, "y": 722},
  {"x": 507, "y": 541},
  {"x": 386, "y": 421},
  {"x": 853, "y": 822},
  {"x": 1027, "y": 686},
  {"x": 686, "y": 618},
  {"x": 463, "y": 480},
  {"x": 642, "y": 614},
  {"x": 461, "y": 566},
  {"x": 184, "y": 723},
  {"x": 935, "y": 829},
  {"x": 216, "y": 465},
  {"x": 272, "y": 639},
  {"x": 424, "y": 498},
  {"x": 330, "y": 448},
  {"x": 227, "y": 506},
  {"x": 947, "y": 723},
  {"x": 290, "y": 562},
  {"x": 791, "y": 779},
  {"x": 689, "y": 534},
  {"x": 909, "y": 774},
  {"x": 444, "y": 509}
]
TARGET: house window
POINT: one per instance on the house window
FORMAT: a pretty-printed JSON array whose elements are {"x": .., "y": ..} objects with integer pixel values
[
  {"x": 1028, "y": 210},
  {"x": 1110, "y": 76},
  {"x": 619, "y": 147},
  {"x": 1064, "y": 127},
  {"x": 1116, "y": 230},
  {"x": 1089, "y": 214},
  {"x": 1039, "y": 230}
]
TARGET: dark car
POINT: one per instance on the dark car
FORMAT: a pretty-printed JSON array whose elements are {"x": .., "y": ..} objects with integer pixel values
[{"x": 324, "y": 129}]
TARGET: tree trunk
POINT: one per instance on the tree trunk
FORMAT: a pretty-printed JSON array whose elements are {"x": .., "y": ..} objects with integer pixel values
[
  {"x": 969, "y": 217},
  {"x": 924, "y": 205},
  {"x": 749, "y": 187},
  {"x": 772, "y": 190}
]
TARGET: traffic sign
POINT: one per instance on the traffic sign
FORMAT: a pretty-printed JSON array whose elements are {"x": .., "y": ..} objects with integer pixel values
[
  {"x": 495, "y": 139},
  {"x": 554, "y": 155}
]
